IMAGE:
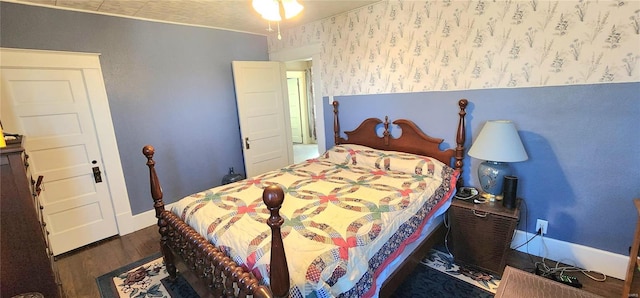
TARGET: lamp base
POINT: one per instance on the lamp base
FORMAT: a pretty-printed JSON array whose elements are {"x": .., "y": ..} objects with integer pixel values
[
  {"x": 491, "y": 197},
  {"x": 491, "y": 175}
]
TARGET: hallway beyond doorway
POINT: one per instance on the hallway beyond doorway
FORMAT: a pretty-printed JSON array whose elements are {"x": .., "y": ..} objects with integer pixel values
[{"x": 302, "y": 152}]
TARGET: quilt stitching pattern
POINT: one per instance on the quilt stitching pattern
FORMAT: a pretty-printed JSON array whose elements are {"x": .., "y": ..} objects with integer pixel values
[{"x": 307, "y": 216}]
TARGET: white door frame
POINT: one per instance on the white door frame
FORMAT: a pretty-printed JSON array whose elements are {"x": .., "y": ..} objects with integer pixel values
[
  {"x": 101, "y": 114},
  {"x": 305, "y": 52}
]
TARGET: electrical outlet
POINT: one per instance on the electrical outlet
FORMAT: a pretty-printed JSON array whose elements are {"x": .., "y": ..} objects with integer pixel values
[{"x": 542, "y": 225}]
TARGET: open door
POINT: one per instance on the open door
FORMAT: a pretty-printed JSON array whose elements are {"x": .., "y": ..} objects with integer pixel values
[{"x": 263, "y": 110}]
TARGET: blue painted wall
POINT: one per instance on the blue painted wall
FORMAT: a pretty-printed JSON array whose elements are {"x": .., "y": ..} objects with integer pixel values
[
  {"x": 582, "y": 140},
  {"x": 168, "y": 85}
]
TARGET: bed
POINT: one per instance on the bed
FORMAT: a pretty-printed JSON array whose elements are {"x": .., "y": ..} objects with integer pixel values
[{"x": 354, "y": 222}]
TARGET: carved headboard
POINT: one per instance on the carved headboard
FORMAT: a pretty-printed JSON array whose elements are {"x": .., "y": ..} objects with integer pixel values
[{"x": 412, "y": 139}]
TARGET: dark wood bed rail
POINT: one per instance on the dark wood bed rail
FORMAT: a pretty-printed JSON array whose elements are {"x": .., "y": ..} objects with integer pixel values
[
  {"x": 409, "y": 139},
  {"x": 207, "y": 260}
]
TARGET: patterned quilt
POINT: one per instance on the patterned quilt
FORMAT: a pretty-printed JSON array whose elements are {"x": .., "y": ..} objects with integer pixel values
[{"x": 347, "y": 214}]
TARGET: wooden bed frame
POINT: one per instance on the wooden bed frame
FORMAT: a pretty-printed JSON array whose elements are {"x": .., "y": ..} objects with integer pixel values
[{"x": 226, "y": 279}]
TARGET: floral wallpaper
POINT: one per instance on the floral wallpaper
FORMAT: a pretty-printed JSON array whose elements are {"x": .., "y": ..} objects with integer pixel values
[{"x": 414, "y": 46}]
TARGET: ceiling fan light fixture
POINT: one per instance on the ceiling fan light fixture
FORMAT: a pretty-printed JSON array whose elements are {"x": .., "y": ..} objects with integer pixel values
[
  {"x": 271, "y": 10},
  {"x": 268, "y": 9},
  {"x": 291, "y": 8}
]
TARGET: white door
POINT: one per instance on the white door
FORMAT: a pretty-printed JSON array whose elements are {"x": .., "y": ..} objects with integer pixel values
[
  {"x": 51, "y": 108},
  {"x": 263, "y": 110},
  {"x": 295, "y": 110}
]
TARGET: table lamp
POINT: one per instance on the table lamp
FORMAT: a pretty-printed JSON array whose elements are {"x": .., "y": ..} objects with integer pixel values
[{"x": 498, "y": 144}]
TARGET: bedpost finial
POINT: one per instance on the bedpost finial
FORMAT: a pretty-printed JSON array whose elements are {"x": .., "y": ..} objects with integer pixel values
[
  {"x": 463, "y": 103},
  {"x": 386, "y": 134},
  {"x": 148, "y": 151},
  {"x": 273, "y": 196}
]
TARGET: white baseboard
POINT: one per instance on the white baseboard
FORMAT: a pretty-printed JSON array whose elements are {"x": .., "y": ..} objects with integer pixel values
[
  {"x": 124, "y": 223},
  {"x": 611, "y": 264},
  {"x": 128, "y": 223}
]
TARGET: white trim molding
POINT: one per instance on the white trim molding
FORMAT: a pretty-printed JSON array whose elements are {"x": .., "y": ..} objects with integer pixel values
[
  {"x": 144, "y": 219},
  {"x": 608, "y": 263}
]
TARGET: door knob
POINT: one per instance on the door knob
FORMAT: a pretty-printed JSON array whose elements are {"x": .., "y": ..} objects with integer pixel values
[{"x": 246, "y": 143}]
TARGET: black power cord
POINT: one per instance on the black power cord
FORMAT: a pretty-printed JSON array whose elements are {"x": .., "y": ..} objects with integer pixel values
[
  {"x": 534, "y": 236},
  {"x": 556, "y": 273},
  {"x": 538, "y": 233}
]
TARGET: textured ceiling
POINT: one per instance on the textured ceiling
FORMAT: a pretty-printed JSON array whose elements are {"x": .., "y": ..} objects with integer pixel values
[{"x": 236, "y": 15}]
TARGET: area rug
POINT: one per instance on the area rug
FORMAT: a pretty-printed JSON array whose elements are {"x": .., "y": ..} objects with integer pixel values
[
  {"x": 145, "y": 278},
  {"x": 439, "y": 276},
  {"x": 444, "y": 262},
  {"x": 425, "y": 281}
]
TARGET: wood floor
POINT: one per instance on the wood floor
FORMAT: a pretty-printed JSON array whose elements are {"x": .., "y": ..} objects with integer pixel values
[{"x": 79, "y": 269}]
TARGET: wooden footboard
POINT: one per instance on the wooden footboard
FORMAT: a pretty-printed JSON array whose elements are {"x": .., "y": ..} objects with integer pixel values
[{"x": 222, "y": 275}]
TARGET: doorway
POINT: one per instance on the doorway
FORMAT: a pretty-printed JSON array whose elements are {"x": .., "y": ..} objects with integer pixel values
[
  {"x": 302, "y": 110},
  {"x": 310, "y": 54},
  {"x": 302, "y": 152}
]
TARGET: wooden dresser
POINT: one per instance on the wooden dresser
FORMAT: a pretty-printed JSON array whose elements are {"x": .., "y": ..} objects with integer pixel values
[{"x": 26, "y": 264}]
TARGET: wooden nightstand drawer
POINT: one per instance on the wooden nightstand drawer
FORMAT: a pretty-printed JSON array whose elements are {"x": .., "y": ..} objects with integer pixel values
[{"x": 481, "y": 233}]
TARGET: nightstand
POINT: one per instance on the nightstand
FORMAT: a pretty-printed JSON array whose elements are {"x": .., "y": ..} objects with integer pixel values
[{"x": 481, "y": 233}]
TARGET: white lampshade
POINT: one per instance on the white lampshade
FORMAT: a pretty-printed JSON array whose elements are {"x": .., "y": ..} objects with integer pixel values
[
  {"x": 498, "y": 141},
  {"x": 270, "y": 9}
]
